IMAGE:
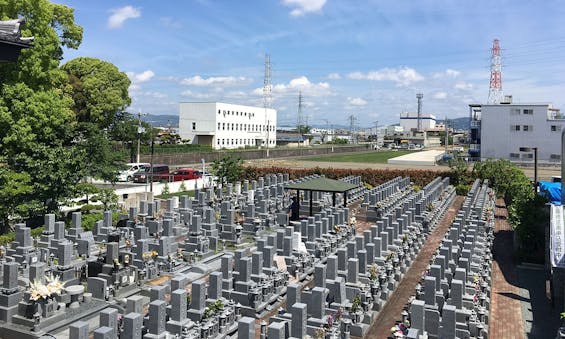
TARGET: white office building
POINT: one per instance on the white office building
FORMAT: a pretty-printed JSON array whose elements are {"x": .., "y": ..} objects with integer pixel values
[
  {"x": 222, "y": 125},
  {"x": 409, "y": 121},
  {"x": 507, "y": 127}
]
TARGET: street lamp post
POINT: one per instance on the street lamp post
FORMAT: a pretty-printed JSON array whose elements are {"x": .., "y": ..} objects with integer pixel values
[{"x": 535, "y": 150}]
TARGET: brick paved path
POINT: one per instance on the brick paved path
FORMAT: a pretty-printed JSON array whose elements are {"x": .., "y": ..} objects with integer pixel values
[
  {"x": 391, "y": 311},
  {"x": 505, "y": 310}
]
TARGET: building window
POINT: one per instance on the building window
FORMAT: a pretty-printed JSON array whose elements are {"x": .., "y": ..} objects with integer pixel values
[
  {"x": 218, "y": 141},
  {"x": 527, "y": 128},
  {"x": 219, "y": 124},
  {"x": 529, "y": 111},
  {"x": 515, "y": 111},
  {"x": 223, "y": 125},
  {"x": 219, "y": 111},
  {"x": 555, "y": 157},
  {"x": 514, "y": 155},
  {"x": 555, "y": 128},
  {"x": 193, "y": 125},
  {"x": 527, "y": 156},
  {"x": 514, "y": 127}
]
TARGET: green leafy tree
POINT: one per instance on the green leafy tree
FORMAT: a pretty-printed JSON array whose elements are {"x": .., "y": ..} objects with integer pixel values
[
  {"x": 16, "y": 188},
  {"x": 125, "y": 131},
  {"x": 99, "y": 90},
  {"x": 228, "y": 169},
  {"x": 108, "y": 198}
]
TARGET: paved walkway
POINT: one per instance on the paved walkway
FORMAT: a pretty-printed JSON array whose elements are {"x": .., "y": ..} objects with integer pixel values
[
  {"x": 505, "y": 310},
  {"x": 391, "y": 311}
]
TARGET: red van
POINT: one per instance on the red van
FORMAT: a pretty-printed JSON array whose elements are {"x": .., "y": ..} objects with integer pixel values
[{"x": 185, "y": 174}]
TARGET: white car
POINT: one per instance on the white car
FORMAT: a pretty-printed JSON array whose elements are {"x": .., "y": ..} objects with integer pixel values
[{"x": 131, "y": 168}]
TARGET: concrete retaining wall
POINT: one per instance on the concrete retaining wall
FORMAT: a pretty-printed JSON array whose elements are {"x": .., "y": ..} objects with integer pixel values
[{"x": 177, "y": 159}]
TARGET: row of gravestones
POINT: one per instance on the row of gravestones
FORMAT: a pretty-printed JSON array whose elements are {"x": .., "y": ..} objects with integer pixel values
[
  {"x": 250, "y": 277},
  {"x": 386, "y": 197},
  {"x": 455, "y": 297},
  {"x": 385, "y": 190},
  {"x": 388, "y": 248}
]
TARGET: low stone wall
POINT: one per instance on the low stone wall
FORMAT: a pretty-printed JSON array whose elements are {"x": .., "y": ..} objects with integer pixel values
[{"x": 177, "y": 159}]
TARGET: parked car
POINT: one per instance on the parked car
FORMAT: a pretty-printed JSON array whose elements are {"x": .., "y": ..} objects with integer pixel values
[
  {"x": 131, "y": 168},
  {"x": 185, "y": 174},
  {"x": 155, "y": 173}
]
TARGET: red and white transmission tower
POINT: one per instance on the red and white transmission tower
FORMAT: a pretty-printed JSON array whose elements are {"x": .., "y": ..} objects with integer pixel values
[{"x": 495, "y": 95}]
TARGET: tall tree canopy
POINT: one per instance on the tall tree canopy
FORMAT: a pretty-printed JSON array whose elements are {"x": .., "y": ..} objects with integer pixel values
[
  {"x": 99, "y": 90},
  {"x": 51, "y": 137}
]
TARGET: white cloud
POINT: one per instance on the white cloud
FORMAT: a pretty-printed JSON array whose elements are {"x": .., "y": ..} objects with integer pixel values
[
  {"x": 191, "y": 94},
  {"x": 334, "y": 76},
  {"x": 464, "y": 86},
  {"x": 448, "y": 73},
  {"x": 302, "y": 83},
  {"x": 120, "y": 15},
  {"x": 197, "y": 80},
  {"x": 440, "y": 95},
  {"x": 402, "y": 76},
  {"x": 356, "y": 101},
  {"x": 302, "y": 7},
  {"x": 137, "y": 78}
]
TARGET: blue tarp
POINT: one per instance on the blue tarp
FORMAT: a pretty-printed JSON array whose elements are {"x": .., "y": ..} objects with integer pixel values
[{"x": 552, "y": 190}]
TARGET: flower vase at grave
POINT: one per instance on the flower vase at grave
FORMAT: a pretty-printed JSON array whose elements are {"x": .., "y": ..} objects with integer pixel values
[{"x": 48, "y": 307}]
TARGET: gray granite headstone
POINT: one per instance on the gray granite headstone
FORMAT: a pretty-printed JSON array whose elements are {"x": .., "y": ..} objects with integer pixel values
[
  {"x": 157, "y": 313},
  {"x": 157, "y": 292},
  {"x": 178, "y": 305},
  {"x": 134, "y": 304},
  {"x": 104, "y": 332},
  {"x": 133, "y": 326},
  {"x": 246, "y": 328},
  {"x": 417, "y": 314},
  {"x": 215, "y": 285},
  {"x": 97, "y": 286},
  {"x": 198, "y": 299},
  {"x": 10, "y": 275},
  {"x": 276, "y": 330},
  {"x": 109, "y": 318},
  {"x": 299, "y": 317},
  {"x": 292, "y": 295},
  {"x": 78, "y": 329}
]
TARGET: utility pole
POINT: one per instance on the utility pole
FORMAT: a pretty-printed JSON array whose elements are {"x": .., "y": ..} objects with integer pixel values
[
  {"x": 267, "y": 97},
  {"x": 352, "y": 127},
  {"x": 419, "y": 96},
  {"x": 377, "y": 133},
  {"x": 446, "y": 136},
  {"x": 139, "y": 131}
]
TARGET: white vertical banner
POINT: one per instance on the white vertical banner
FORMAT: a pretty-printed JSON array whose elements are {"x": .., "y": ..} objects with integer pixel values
[{"x": 557, "y": 240}]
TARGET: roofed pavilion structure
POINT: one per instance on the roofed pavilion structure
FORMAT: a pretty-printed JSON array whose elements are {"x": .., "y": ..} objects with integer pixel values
[{"x": 322, "y": 184}]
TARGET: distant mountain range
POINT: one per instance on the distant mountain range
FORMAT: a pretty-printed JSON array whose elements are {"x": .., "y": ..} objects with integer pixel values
[
  {"x": 161, "y": 120},
  {"x": 173, "y": 121}
]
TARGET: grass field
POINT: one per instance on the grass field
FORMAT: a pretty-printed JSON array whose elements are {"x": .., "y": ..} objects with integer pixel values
[{"x": 369, "y": 157}]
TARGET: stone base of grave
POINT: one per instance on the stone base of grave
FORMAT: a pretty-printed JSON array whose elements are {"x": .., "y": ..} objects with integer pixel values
[
  {"x": 156, "y": 336},
  {"x": 175, "y": 327},
  {"x": 359, "y": 330}
]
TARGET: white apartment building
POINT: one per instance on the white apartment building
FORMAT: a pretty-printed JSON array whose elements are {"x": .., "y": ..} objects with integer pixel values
[
  {"x": 409, "y": 121},
  {"x": 507, "y": 127},
  {"x": 222, "y": 125}
]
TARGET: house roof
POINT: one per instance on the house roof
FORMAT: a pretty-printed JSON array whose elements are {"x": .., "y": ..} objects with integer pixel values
[
  {"x": 11, "y": 41},
  {"x": 322, "y": 184}
]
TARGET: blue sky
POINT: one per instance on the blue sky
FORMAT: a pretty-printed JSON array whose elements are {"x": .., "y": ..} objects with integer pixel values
[{"x": 363, "y": 57}]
